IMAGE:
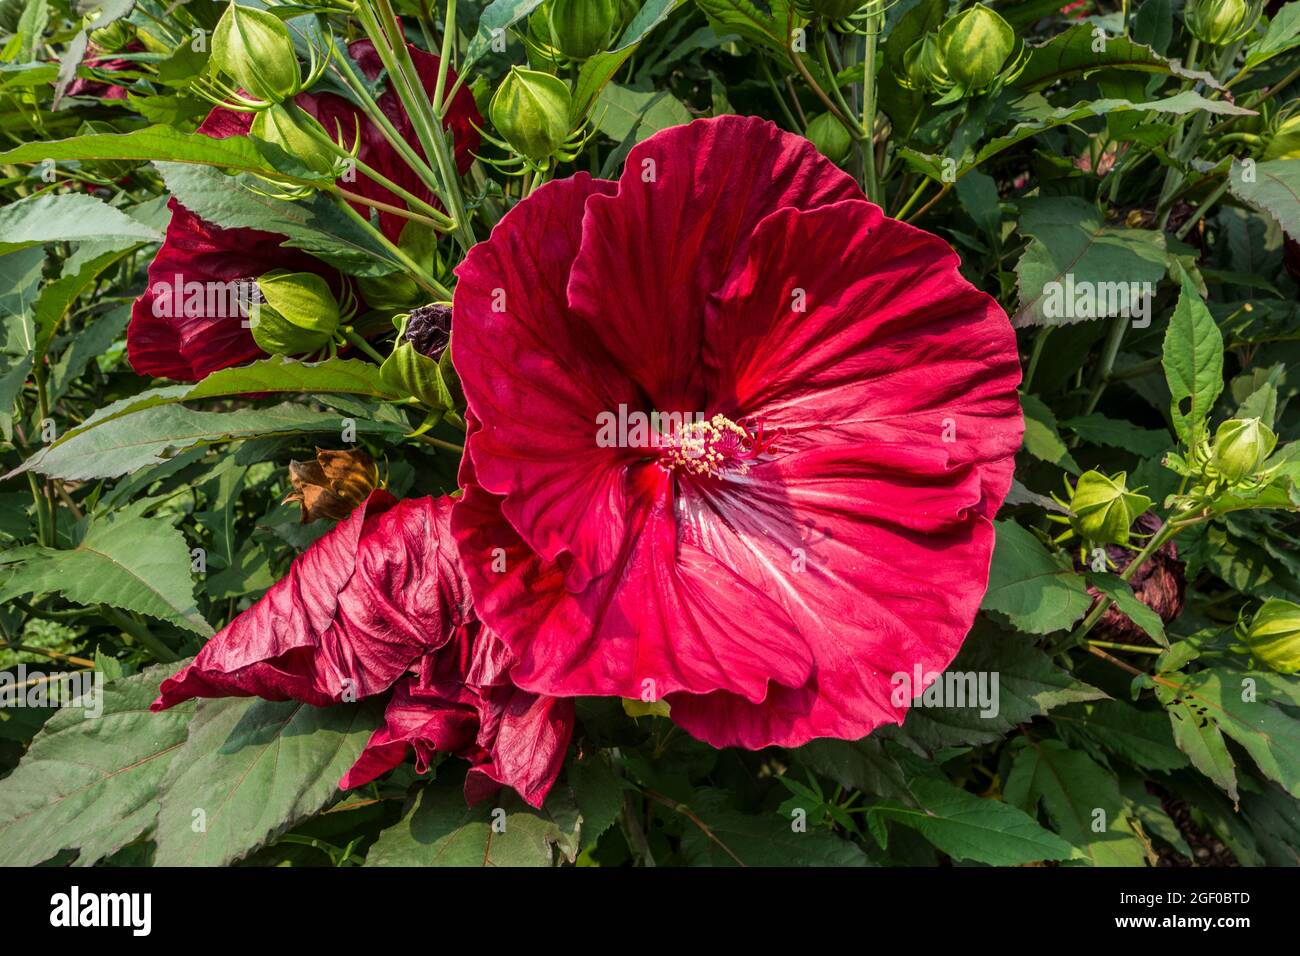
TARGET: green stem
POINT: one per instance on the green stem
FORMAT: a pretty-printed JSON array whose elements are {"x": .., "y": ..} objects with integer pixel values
[
  {"x": 1202, "y": 209},
  {"x": 358, "y": 342},
  {"x": 1040, "y": 341},
  {"x": 1114, "y": 336},
  {"x": 425, "y": 281},
  {"x": 870, "y": 181},
  {"x": 138, "y": 633}
]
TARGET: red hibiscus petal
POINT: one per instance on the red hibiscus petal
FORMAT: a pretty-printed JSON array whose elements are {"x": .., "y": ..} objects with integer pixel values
[
  {"x": 356, "y": 609},
  {"x": 891, "y": 345},
  {"x": 651, "y": 255},
  {"x": 668, "y": 617},
  {"x": 528, "y": 367}
]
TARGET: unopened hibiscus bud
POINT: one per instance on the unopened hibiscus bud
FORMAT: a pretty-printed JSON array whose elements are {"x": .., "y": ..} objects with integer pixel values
[
  {"x": 531, "y": 110},
  {"x": 1241, "y": 446},
  {"x": 290, "y": 127},
  {"x": 254, "y": 48},
  {"x": 1220, "y": 22},
  {"x": 1273, "y": 635},
  {"x": 581, "y": 28},
  {"x": 298, "y": 314},
  {"x": 1104, "y": 509},
  {"x": 333, "y": 485},
  {"x": 419, "y": 365},
  {"x": 923, "y": 67},
  {"x": 975, "y": 45},
  {"x": 1284, "y": 143},
  {"x": 830, "y": 137}
]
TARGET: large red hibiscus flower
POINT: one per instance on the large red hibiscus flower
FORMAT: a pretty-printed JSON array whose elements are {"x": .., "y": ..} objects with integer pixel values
[
  {"x": 202, "y": 339},
  {"x": 380, "y": 603},
  {"x": 823, "y": 519}
]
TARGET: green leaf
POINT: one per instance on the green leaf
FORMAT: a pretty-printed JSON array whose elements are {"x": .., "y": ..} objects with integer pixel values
[
  {"x": 90, "y": 784},
  {"x": 1072, "y": 54},
  {"x": 1075, "y": 254},
  {"x": 67, "y": 217},
  {"x": 1081, "y": 798},
  {"x": 1118, "y": 590},
  {"x": 600, "y": 69},
  {"x": 1283, "y": 34},
  {"x": 1228, "y": 700},
  {"x": 164, "y": 144},
  {"x": 153, "y": 435},
  {"x": 857, "y": 764},
  {"x": 442, "y": 830},
  {"x": 1140, "y": 736},
  {"x": 621, "y": 111},
  {"x": 1028, "y": 685},
  {"x": 745, "y": 19},
  {"x": 598, "y": 790},
  {"x": 135, "y": 563},
  {"x": 1042, "y": 440},
  {"x": 1037, "y": 590},
  {"x": 314, "y": 224},
  {"x": 251, "y": 769},
  {"x": 1097, "y": 429},
  {"x": 1193, "y": 362},
  {"x": 1272, "y": 187},
  {"x": 497, "y": 17},
  {"x": 767, "y": 839},
  {"x": 967, "y": 827}
]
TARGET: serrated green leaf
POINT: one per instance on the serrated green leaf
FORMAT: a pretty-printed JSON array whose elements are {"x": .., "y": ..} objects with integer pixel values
[
  {"x": 598, "y": 791},
  {"x": 1042, "y": 440},
  {"x": 1118, "y": 590},
  {"x": 67, "y": 217},
  {"x": 135, "y": 563},
  {"x": 1097, "y": 429},
  {"x": 441, "y": 830},
  {"x": 1074, "y": 53},
  {"x": 1143, "y": 737},
  {"x": 90, "y": 784},
  {"x": 967, "y": 827},
  {"x": 1038, "y": 591},
  {"x": 1193, "y": 362},
  {"x": 767, "y": 839},
  {"x": 1081, "y": 798},
  {"x": 249, "y": 770},
  {"x": 1074, "y": 249},
  {"x": 151, "y": 436},
  {"x": 1273, "y": 187}
]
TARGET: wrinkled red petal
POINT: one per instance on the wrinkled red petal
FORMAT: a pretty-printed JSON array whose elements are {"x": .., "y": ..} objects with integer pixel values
[{"x": 356, "y": 609}]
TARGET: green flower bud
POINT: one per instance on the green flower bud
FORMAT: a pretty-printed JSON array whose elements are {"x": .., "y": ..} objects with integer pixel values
[
  {"x": 1241, "y": 446},
  {"x": 531, "y": 109},
  {"x": 416, "y": 365},
  {"x": 253, "y": 47},
  {"x": 287, "y": 126},
  {"x": 1220, "y": 22},
  {"x": 1274, "y": 635},
  {"x": 1104, "y": 509},
  {"x": 299, "y": 314},
  {"x": 923, "y": 66},
  {"x": 830, "y": 137},
  {"x": 581, "y": 28},
  {"x": 975, "y": 45}
]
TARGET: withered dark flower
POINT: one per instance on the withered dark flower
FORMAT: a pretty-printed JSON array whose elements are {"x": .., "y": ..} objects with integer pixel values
[
  {"x": 332, "y": 485},
  {"x": 429, "y": 330},
  {"x": 1160, "y": 584}
]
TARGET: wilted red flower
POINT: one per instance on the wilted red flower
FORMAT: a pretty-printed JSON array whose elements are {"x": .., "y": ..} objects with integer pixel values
[
  {"x": 380, "y": 602},
  {"x": 769, "y": 587},
  {"x": 108, "y": 64},
  {"x": 206, "y": 338},
  {"x": 1160, "y": 583}
]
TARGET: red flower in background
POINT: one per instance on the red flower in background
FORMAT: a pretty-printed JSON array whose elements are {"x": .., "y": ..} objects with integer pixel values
[
  {"x": 769, "y": 587},
  {"x": 109, "y": 64},
  {"x": 189, "y": 347},
  {"x": 380, "y": 602}
]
